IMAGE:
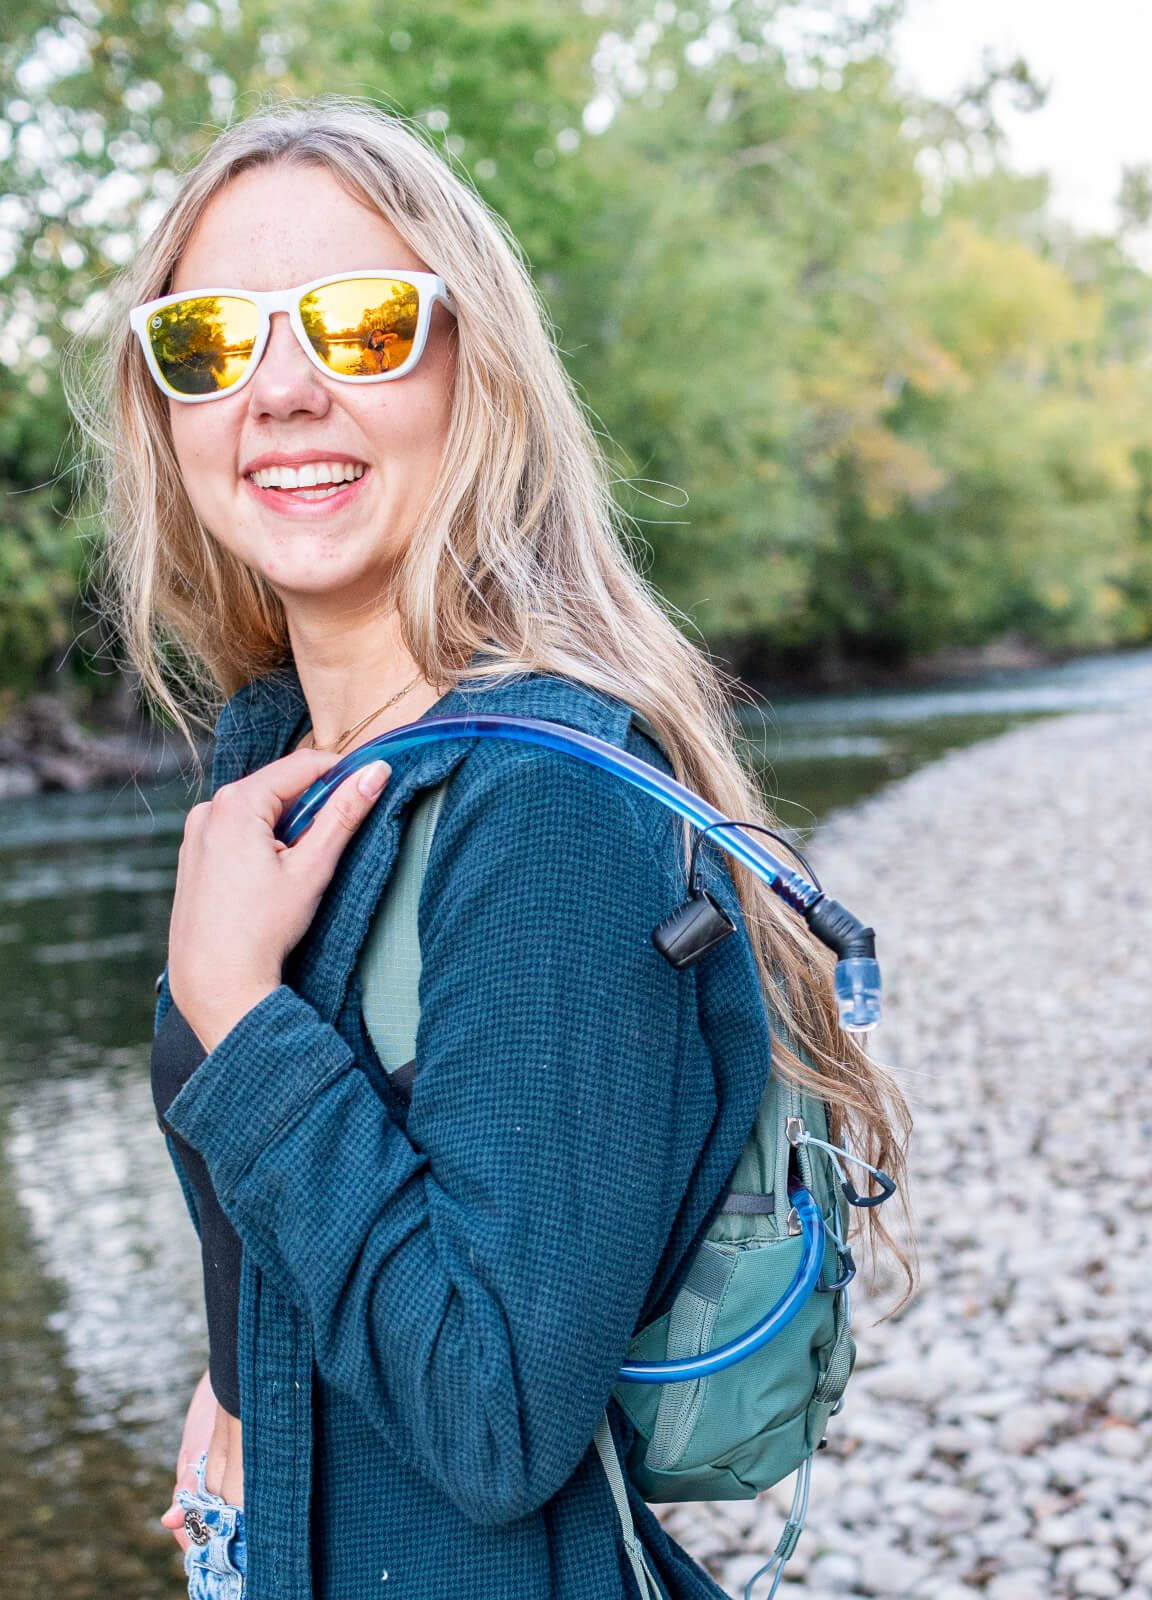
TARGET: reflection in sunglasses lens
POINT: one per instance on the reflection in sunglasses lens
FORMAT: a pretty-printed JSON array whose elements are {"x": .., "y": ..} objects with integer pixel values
[
  {"x": 202, "y": 345},
  {"x": 362, "y": 326}
]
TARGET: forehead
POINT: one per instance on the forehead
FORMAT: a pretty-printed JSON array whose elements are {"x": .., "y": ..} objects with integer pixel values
[{"x": 276, "y": 226}]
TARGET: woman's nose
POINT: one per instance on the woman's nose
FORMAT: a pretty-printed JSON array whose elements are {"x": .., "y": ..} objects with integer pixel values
[{"x": 285, "y": 381}]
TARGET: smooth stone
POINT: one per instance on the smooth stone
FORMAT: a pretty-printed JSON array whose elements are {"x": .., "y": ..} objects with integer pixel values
[
  {"x": 836, "y": 1573},
  {"x": 885, "y": 1571},
  {"x": 1098, "y": 1581},
  {"x": 1131, "y": 1403},
  {"x": 988, "y": 1403},
  {"x": 1123, "y": 1443},
  {"x": 1018, "y": 1586},
  {"x": 952, "y": 1507},
  {"x": 1057, "y": 1533},
  {"x": 1016, "y": 1555},
  {"x": 1078, "y": 1558},
  {"x": 914, "y": 1385},
  {"x": 1025, "y": 1427},
  {"x": 1083, "y": 1378}
]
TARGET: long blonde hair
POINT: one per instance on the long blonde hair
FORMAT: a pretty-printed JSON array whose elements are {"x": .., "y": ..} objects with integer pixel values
[{"x": 520, "y": 551}]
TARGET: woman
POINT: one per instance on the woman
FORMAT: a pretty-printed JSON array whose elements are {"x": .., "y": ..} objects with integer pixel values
[{"x": 427, "y": 1308}]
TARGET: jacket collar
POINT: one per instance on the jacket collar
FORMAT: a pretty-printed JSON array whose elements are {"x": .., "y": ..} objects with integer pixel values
[
  {"x": 261, "y": 722},
  {"x": 264, "y": 718}
]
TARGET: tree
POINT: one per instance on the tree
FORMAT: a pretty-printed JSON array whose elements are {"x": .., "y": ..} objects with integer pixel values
[{"x": 866, "y": 394}]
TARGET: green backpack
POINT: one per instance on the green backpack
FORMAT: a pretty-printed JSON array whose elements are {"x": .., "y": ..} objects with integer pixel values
[{"x": 734, "y": 1433}]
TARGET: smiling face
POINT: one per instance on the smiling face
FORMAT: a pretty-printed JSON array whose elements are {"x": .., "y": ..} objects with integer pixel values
[{"x": 325, "y": 551}]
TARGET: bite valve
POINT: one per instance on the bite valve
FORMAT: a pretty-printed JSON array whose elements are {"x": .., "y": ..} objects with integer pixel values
[
  {"x": 857, "y": 977},
  {"x": 857, "y": 985}
]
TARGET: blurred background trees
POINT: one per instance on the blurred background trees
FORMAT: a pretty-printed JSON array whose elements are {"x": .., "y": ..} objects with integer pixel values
[{"x": 866, "y": 398}]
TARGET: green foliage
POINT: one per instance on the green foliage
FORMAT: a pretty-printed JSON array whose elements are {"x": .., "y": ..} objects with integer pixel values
[
  {"x": 41, "y": 560},
  {"x": 903, "y": 409},
  {"x": 865, "y": 394}
]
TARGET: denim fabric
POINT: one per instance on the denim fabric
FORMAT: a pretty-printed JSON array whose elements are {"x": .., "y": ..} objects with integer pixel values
[{"x": 216, "y": 1570}]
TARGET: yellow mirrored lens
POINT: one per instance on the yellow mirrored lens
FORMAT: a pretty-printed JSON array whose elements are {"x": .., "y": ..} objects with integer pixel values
[
  {"x": 362, "y": 326},
  {"x": 203, "y": 344}
]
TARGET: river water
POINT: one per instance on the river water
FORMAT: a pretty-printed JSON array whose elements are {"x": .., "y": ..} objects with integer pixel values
[{"x": 102, "y": 1334}]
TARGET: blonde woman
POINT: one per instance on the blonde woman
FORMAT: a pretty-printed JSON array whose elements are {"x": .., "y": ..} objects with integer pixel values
[{"x": 418, "y": 1308}]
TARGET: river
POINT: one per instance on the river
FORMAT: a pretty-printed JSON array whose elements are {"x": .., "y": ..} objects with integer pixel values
[{"x": 102, "y": 1336}]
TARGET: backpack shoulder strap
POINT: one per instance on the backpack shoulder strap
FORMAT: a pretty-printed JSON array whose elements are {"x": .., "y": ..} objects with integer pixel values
[{"x": 389, "y": 964}]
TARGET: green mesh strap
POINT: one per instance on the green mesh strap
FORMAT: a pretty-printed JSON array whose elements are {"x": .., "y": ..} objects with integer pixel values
[
  {"x": 690, "y": 1324},
  {"x": 389, "y": 964},
  {"x": 833, "y": 1379}
]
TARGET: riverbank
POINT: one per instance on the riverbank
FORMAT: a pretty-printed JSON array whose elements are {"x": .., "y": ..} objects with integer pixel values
[
  {"x": 48, "y": 742},
  {"x": 44, "y": 746},
  {"x": 997, "y": 1437},
  {"x": 782, "y": 674}
]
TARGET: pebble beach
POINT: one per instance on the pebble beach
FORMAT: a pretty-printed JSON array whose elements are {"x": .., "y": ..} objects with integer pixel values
[{"x": 996, "y": 1436}]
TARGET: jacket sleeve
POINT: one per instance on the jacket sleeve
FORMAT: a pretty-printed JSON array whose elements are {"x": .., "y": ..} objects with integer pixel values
[
  {"x": 163, "y": 1003},
  {"x": 473, "y": 1281}
]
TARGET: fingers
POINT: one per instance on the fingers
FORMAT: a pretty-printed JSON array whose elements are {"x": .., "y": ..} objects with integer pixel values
[
  {"x": 267, "y": 791},
  {"x": 291, "y": 774},
  {"x": 173, "y": 1520},
  {"x": 320, "y": 847}
]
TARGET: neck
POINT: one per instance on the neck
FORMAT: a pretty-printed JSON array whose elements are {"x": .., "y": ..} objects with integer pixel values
[{"x": 348, "y": 674}]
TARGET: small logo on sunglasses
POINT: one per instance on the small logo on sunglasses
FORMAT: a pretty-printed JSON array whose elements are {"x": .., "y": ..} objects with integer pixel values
[{"x": 157, "y": 322}]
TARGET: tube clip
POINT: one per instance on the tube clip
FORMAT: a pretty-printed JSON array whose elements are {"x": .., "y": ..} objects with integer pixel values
[
  {"x": 797, "y": 1134},
  {"x": 694, "y": 928}
]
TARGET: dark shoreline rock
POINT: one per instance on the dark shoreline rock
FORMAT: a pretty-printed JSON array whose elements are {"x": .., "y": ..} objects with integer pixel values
[
  {"x": 44, "y": 747},
  {"x": 1010, "y": 655}
]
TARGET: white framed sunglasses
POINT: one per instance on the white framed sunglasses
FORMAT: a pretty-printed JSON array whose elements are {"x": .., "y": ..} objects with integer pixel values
[{"x": 358, "y": 327}]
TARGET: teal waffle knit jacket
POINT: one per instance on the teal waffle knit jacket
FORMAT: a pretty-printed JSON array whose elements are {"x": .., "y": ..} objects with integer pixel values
[{"x": 435, "y": 1300}]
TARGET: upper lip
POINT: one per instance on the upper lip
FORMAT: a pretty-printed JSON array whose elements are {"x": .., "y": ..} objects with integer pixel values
[{"x": 298, "y": 458}]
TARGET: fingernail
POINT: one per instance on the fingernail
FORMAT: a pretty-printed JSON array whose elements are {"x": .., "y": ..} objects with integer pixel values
[{"x": 373, "y": 778}]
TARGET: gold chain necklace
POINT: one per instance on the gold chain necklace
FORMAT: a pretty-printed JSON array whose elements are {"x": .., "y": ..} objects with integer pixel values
[{"x": 310, "y": 742}]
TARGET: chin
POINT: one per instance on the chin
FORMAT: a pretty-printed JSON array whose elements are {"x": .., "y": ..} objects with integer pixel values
[{"x": 357, "y": 589}]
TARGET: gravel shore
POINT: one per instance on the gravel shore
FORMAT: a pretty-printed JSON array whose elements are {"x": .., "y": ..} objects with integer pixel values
[{"x": 996, "y": 1435}]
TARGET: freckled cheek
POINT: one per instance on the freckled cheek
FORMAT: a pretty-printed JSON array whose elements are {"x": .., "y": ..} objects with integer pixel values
[
  {"x": 204, "y": 457},
  {"x": 409, "y": 437}
]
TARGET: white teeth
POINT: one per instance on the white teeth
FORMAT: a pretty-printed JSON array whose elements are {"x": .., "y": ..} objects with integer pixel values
[{"x": 308, "y": 475}]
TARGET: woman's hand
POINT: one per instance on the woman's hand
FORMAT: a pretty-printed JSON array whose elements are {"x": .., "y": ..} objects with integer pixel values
[
  {"x": 198, "y": 1428},
  {"x": 243, "y": 900}
]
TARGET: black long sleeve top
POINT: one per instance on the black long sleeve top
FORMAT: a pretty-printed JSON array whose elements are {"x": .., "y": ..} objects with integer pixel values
[{"x": 176, "y": 1053}]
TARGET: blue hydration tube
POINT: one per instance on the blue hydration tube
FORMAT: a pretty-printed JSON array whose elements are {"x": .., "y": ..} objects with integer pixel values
[
  {"x": 857, "y": 973},
  {"x": 790, "y": 1302},
  {"x": 857, "y": 978}
]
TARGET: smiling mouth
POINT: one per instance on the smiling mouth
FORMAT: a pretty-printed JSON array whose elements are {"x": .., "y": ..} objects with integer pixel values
[{"x": 315, "y": 480}]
